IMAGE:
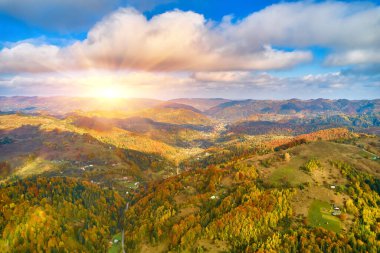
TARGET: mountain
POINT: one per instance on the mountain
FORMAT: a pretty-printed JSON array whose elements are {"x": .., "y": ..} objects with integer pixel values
[
  {"x": 201, "y": 104},
  {"x": 192, "y": 111},
  {"x": 237, "y": 110},
  {"x": 292, "y": 126}
]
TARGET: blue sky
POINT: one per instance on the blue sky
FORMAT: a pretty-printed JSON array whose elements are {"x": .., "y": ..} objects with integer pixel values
[{"x": 191, "y": 48}]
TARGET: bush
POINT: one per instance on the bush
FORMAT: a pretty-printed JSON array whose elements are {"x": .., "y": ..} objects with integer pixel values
[{"x": 311, "y": 165}]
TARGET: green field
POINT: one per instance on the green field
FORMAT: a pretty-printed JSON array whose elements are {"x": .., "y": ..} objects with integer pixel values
[
  {"x": 116, "y": 247},
  {"x": 289, "y": 175},
  {"x": 320, "y": 216}
]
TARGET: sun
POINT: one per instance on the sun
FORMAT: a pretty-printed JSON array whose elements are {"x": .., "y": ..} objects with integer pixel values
[{"x": 108, "y": 92}]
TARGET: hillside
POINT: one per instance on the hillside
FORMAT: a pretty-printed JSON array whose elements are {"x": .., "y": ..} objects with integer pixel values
[
  {"x": 264, "y": 203},
  {"x": 34, "y": 145},
  {"x": 57, "y": 214}
]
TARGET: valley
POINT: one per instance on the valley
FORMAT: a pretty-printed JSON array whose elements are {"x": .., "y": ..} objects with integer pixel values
[{"x": 196, "y": 175}]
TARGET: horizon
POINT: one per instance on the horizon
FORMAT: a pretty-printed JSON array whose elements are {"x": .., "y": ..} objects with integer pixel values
[
  {"x": 175, "y": 48},
  {"x": 179, "y": 98}
]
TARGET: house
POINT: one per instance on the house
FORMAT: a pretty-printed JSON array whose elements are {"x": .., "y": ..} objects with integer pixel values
[{"x": 336, "y": 212}]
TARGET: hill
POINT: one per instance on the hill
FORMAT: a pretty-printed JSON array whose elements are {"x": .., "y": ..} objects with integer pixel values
[
  {"x": 243, "y": 205},
  {"x": 35, "y": 145},
  {"x": 63, "y": 105}
]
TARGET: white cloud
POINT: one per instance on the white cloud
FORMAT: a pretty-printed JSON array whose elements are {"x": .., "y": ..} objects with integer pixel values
[
  {"x": 26, "y": 57},
  {"x": 330, "y": 24},
  {"x": 351, "y": 57},
  {"x": 173, "y": 41},
  {"x": 168, "y": 42}
]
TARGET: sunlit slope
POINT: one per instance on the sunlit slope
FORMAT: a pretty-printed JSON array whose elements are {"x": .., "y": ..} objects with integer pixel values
[{"x": 165, "y": 113}]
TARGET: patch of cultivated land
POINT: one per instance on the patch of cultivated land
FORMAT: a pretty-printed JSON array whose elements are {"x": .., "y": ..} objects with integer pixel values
[
  {"x": 303, "y": 199},
  {"x": 318, "y": 189},
  {"x": 320, "y": 216}
]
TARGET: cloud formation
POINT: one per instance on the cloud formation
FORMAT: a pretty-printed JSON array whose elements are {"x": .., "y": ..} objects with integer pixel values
[
  {"x": 185, "y": 50},
  {"x": 165, "y": 85},
  {"x": 168, "y": 42},
  {"x": 186, "y": 41}
]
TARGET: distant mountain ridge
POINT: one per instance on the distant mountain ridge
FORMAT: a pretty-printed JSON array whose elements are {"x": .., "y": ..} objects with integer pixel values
[
  {"x": 62, "y": 105},
  {"x": 235, "y": 110},
  {"x": 201, "y": 104},
  {"x": 200, "y": 108}
]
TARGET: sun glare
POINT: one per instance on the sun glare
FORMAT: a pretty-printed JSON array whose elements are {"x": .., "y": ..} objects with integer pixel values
[{"x": 109, "y": 93}]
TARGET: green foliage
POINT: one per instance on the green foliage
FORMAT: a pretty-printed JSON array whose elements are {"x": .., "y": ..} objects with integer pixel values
[
  {"x": 5, "y": 169},
  {"x": 311, "y": 165}
]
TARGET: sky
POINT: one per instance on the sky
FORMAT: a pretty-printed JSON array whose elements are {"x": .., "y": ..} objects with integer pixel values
[{"x": 236, "y": 49}]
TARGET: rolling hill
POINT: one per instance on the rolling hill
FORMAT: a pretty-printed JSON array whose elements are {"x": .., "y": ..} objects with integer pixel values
[{"x": 201, "y": 104}]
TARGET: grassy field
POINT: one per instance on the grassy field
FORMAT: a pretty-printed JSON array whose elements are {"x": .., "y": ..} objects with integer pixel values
[
  {"x": 116, "y": 247},
  {"x": 320, "y": 216},
  {"x": 289, "y": 175}
]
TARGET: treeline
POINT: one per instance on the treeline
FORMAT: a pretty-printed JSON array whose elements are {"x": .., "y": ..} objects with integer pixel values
[
  {"x": 306, "y": 125},
  {"x": 57, "y": 215}
]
